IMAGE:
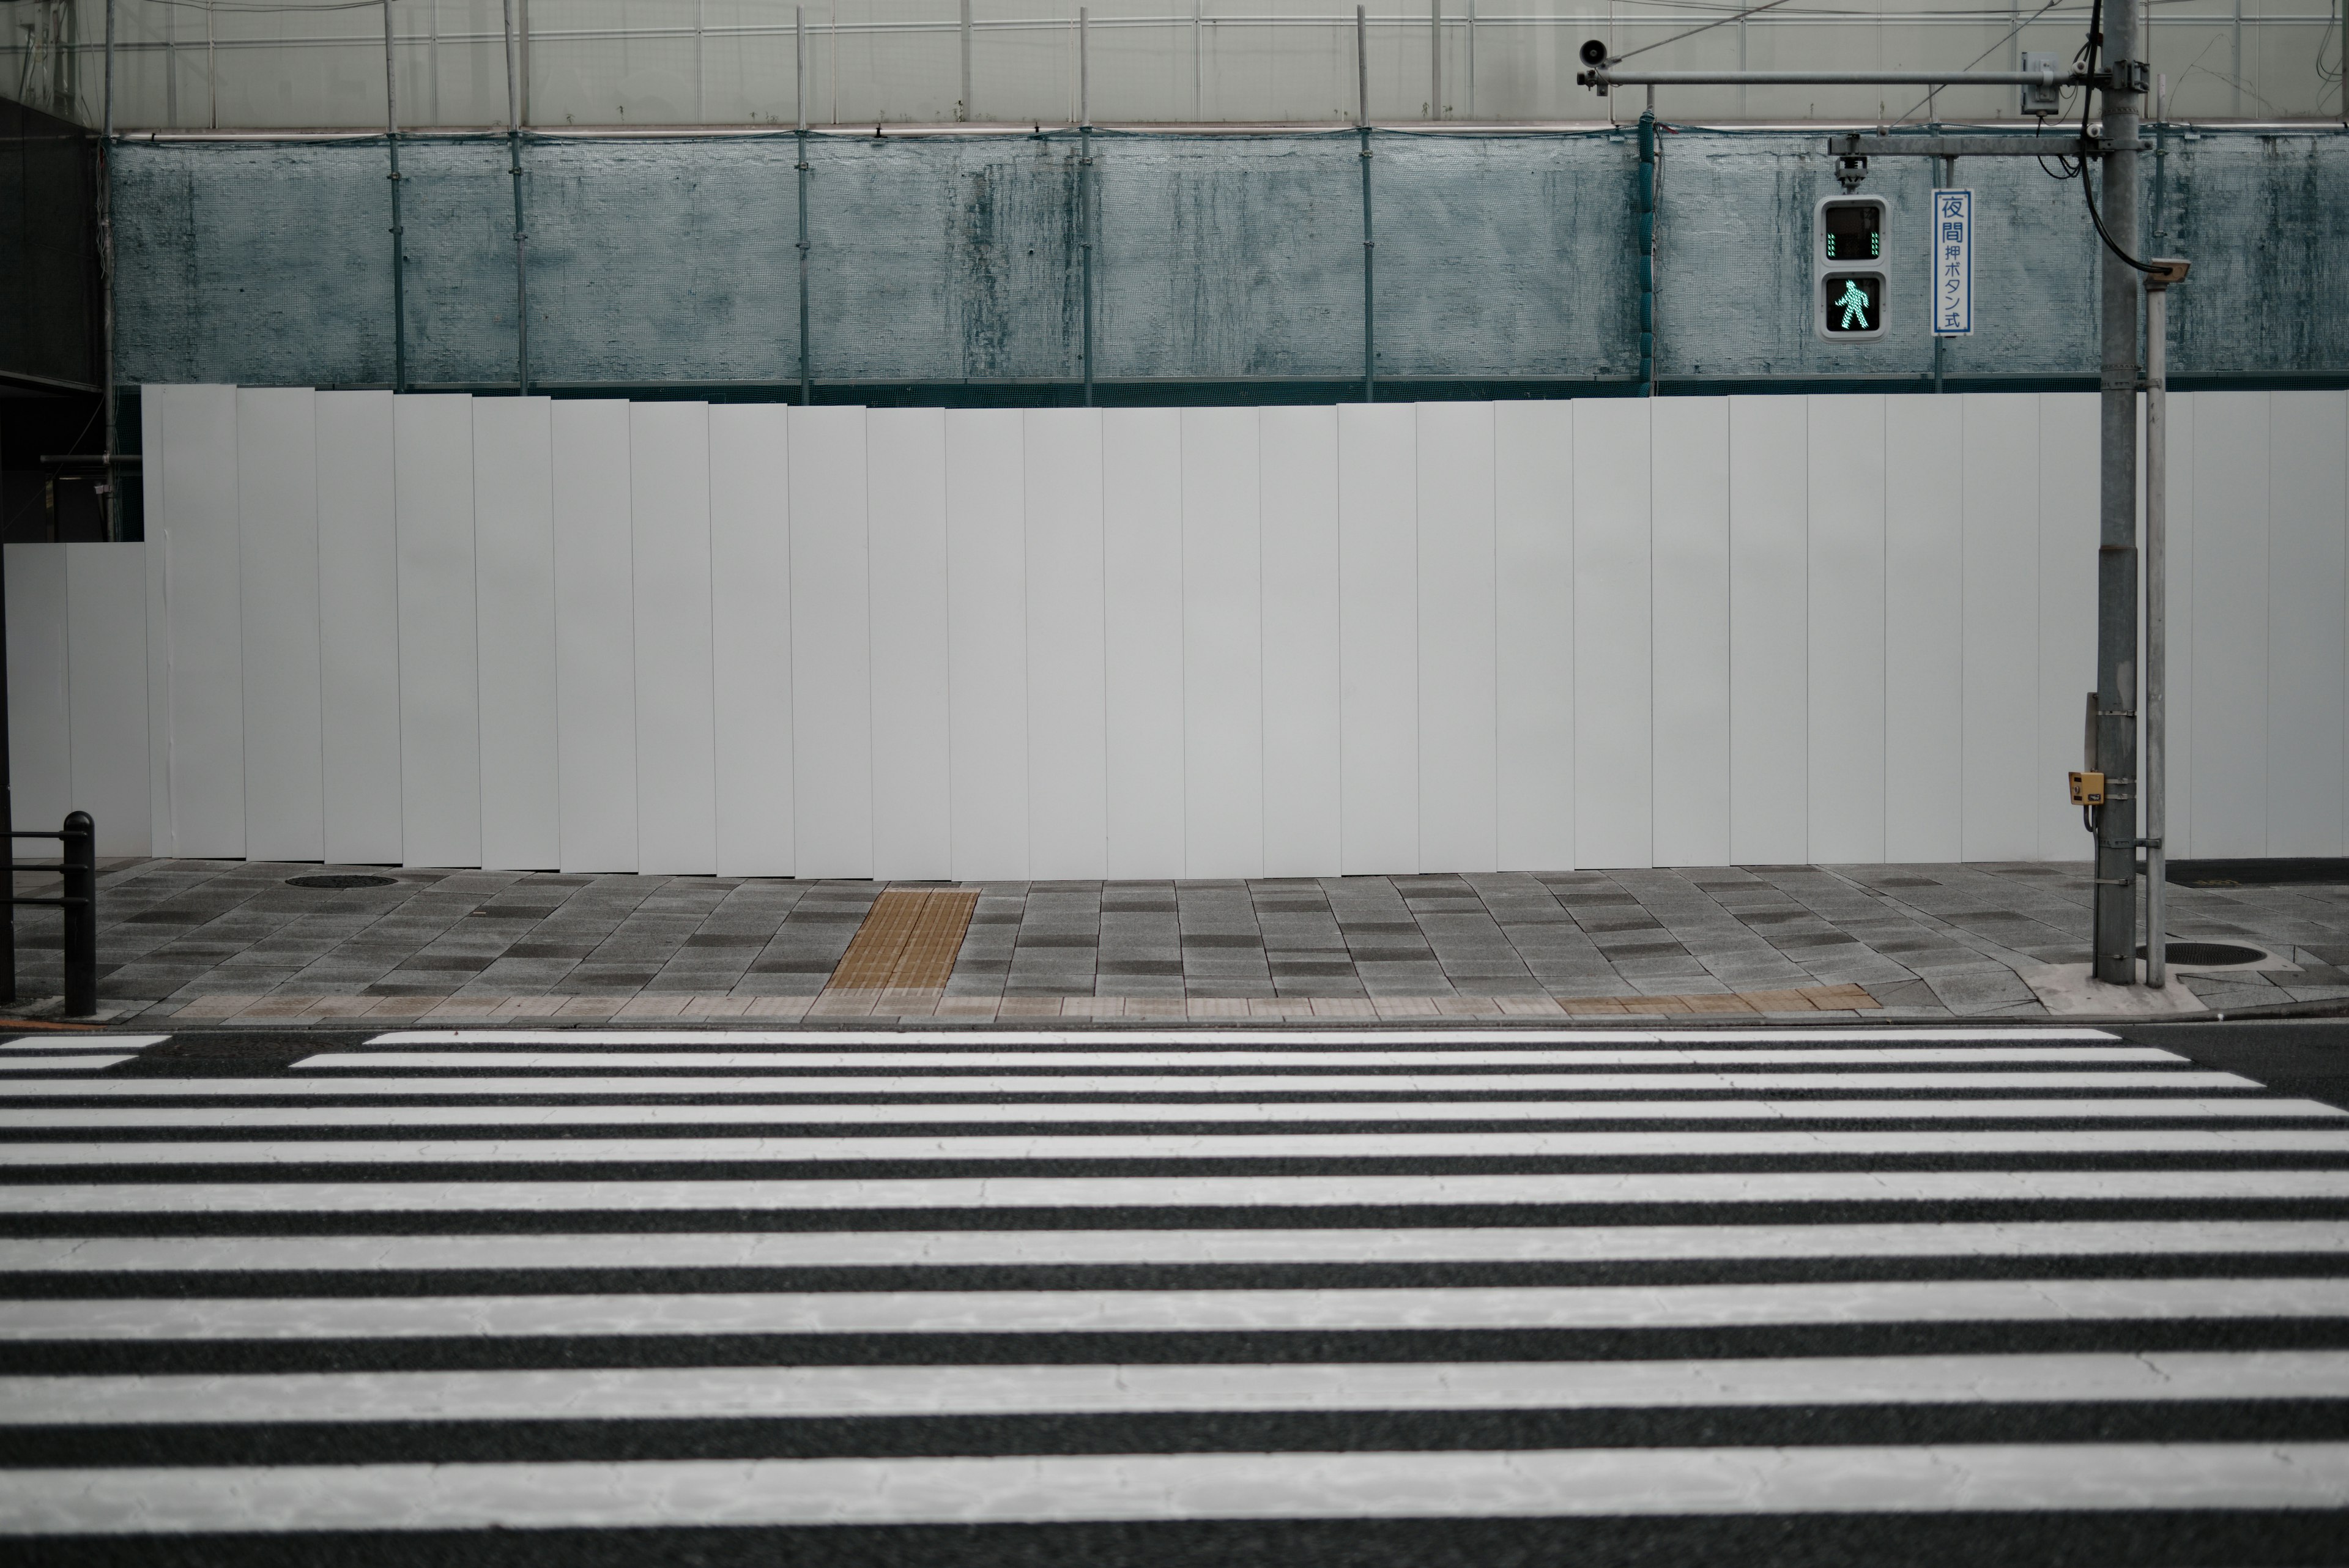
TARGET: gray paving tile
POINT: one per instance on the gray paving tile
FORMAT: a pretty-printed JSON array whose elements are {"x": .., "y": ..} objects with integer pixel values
[{"x": 190, "y": 928}]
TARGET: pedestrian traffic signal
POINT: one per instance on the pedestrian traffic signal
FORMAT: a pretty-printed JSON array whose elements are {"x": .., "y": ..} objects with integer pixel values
[
  {"x": 1853, "y": 304},
  {"x": 1849, "y": 268}
]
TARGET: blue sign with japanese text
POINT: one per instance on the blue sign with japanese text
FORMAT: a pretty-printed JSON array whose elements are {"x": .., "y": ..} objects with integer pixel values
[{"x": 1953, "y": 264}]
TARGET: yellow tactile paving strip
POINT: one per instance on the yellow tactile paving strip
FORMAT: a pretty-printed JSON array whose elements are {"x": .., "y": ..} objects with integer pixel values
[{"x": 907, "y": 942}]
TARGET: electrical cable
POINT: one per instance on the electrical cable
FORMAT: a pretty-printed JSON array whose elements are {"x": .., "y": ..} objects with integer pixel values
[
  {"x": 2087, "y": 191},
  {"x": 1986, "y": 54},
  {"x": 1693, "y": 32},
  {"x": 2063, "y": 169},
  {"x": 234, "y": 8},
  {"x": 2086, "y": 60}
]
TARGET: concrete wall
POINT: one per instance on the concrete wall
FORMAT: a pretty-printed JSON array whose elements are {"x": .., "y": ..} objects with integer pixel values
[
  {"x": 986, "y": 643},
  {"x": 946, "y": 261}
]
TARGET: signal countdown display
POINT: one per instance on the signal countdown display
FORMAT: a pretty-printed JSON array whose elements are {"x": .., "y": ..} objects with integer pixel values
[{"x": 1854, "y": 230}]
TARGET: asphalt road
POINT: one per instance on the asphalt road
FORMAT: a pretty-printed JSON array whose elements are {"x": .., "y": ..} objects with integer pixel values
[{"x": 1816, "y": 1296}]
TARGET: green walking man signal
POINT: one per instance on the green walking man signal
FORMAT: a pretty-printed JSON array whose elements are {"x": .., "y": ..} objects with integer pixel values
[{"x": 1854, "y": 303}]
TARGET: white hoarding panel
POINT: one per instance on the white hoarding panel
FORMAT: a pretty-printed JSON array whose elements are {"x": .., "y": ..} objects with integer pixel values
[
  {"x": 676, "y": 740},
  {"x": 106, "y": 691},
  {"x": 1142, "y": 576},
  {"x": 1533, "y": 528},
  {"x": 1378, "y": 635},
  {"x": 513, "y": 534},
  {"x": 751, "y": 635},
  {"x": 1068, "y": 747},
  {"x": 1298, "y": 500},
  {"x": 986, "y": 630},
  {"x": 595, "y": 637},
  {"x": 1459, "y": 745},
  {"x": 358, "y": 629},
  {"x": 1769, "y": 630},
  {"x": 200, "y": 639},
  {"x": 2308, "y": 586},
  {"x": 40, "y": 723},
  {"x": 2231, "y": 584},
  {"x": 2065, "y": 577},
  {"x": 1691, "y": 478},
  {"x": 1223, "y": 648},
  {"x": 2000, "y": 757},
  {"x": 913, "y": 804},
  {"x": 1613, "y": 691},
  {"x": 831, "y": 656},
  {"x": 277, "y": 550},
  {"x": 1924, "y": 631},
  {"x": 1846, "y": 703}
]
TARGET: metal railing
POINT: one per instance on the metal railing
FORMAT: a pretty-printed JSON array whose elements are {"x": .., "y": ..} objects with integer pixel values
[
  {"x": 77, "y": 899},
  {"x": 194, "y": 64}
]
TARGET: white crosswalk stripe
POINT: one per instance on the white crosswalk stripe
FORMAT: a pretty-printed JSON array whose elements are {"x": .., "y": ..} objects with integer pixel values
[
  {"x": 1008, "y": 1193},
  {"x": 79, "y": 1041},
  {"x": 1934, "y": 1481},
  {"x": 708, "y": 1392},
  {"x": 1103, "y": 1312},
  {"x": 731, "y": 1061},
  {"x": 975, "y": 1247},
  {"x": 555, "y": 1083},
  {"x": 73, "y": 1050},
  {"x": 1298, "y": 1082},
  {"x": 776, "y": 1282},
  {"x": 1059, "y": 1062},
  {"x": 1210, "y": 1041},
  {"x": 968, "y": 1113},
  {"x": 923, "y": 1146}
]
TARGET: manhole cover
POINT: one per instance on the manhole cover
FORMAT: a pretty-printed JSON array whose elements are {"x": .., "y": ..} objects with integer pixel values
[
  {"x": 340, "y": 880},
  {"x": 2209, "y": 955}
]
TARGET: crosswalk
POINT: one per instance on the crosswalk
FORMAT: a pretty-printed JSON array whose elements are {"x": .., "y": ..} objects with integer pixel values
[{"x": 1825, "y": 1295}]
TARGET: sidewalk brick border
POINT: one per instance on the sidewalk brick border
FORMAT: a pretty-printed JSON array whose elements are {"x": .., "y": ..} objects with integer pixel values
[{"x": 680, "y": 1006}]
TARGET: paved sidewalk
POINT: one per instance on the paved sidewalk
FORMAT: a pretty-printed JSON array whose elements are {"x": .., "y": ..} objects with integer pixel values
[{"x": 211, "y": 941}]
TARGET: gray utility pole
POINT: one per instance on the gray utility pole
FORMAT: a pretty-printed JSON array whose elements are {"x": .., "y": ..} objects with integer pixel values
[
  {"x": 2122, "y": 79},
  {"x": 2115, "y": 956}
]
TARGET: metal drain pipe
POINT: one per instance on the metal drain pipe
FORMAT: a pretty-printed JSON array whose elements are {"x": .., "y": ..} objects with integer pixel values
[
  {"x": 113, "y": 480},
  {"x": 2156, "y": 786},
  {"x": 1648, "y": 248},
  {"x": 398, "y": 263},
  {"x": 521, "y": 239},
  {"x": 799, "y": 98},
  {"x": 1084, "y": 186},
  {"x": 1370, "y": 245}
]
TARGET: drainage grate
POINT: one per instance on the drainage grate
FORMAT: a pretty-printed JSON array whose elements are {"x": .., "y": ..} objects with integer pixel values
[
  {"x": 2209, "y": 955},
  {"x": 340, "y": 880}
]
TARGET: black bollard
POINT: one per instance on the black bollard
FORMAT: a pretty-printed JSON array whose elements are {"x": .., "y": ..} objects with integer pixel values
[{"x": 80, "y": 900}]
